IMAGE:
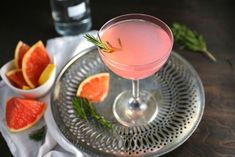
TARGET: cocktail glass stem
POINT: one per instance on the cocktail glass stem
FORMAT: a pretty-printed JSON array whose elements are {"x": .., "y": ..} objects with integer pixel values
[
  {"x": 134, "y": 102},
  {"x": 135, "y": 107},
  {"x": 135, "y": 89}
]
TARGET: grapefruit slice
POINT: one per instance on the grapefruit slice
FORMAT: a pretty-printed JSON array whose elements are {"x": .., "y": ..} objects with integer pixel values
[
  {"x": 16, "y": 78},
  {"x": 23, "y": 113},
  {"x": 94, "y": 88},
  {"x": 20, "y": 51},
  {"x": 34, "y": 62},
  {"x": 46, "y": 73},
  {"x": 26, "y": 88}
]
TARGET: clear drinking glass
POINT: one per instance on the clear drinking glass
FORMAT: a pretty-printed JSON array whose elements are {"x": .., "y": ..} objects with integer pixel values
[
  {"x": 71, "y": 17},
  {"x": 142, "y": 46}
]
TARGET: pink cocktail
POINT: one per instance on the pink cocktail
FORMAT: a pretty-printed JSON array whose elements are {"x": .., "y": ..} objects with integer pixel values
[{"x": 142, "y": 46}]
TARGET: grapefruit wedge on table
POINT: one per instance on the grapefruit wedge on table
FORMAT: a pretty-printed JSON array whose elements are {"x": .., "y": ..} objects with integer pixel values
[
  {"x": 16, "y": 78},
  {"x": 20, "y": 51},
  {"x": 23, "y": 113},
  {"x": 94, "y": 88},
  {"x": 34, "y": 62}
]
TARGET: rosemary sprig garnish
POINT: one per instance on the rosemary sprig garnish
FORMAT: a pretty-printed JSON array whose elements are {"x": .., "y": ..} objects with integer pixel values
[
  {"x": 190, "y": 39},
  {"x": 39, "y": 134},
  {"x": 78, "y": 106},
  {"x": 85, "y": 109},
  {"x": 104, "y": 46}
]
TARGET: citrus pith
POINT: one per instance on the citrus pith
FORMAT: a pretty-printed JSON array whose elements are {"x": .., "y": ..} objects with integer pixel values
[{"x": 20, "y": 51}]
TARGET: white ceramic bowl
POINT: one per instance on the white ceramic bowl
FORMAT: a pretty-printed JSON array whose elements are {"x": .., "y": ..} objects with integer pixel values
[{"x": 31, "y": 93}]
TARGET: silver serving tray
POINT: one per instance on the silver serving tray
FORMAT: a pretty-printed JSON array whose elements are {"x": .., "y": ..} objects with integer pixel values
[{"x": 177, "y": 87}]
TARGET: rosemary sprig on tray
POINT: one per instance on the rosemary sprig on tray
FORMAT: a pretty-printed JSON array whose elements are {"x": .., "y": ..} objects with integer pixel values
[
  {"x": 190, "y": 39},
  {"x": 86, "y": 110},
  {"x": 39, "y": 134},
  {"x": 104, "y": 46}
]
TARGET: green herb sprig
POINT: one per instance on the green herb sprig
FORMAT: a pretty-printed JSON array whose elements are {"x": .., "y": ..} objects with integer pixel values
[
  {"x": 190, "y": 39},
  {"x": 85, "y": 110},
  {"x": 104, "y": 46},
  {"x": 39, "y": 134}
]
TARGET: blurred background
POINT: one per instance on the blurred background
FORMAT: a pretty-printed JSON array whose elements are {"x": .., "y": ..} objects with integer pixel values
[{"x": 31, "y": 20}]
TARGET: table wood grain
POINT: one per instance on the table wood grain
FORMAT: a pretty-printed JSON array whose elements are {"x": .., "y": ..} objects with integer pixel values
[{"x": 215, "y": 136}]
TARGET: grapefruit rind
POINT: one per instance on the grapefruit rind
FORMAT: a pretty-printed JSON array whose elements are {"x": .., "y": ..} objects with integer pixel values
[
  {"x": 27, "y": 56},
  {"x": 26, "y": 88},
  {"x": 88, "y": 81},
  {"x": 28, "y": 125},
  {"x": 18, "y": 80},
  {"x": 19, "y": 53}
]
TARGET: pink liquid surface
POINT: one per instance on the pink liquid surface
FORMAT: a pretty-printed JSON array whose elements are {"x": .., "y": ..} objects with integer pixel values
[{"x": 145, "y": 47}]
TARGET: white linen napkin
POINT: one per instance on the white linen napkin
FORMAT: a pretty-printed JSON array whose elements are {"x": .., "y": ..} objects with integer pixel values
[{"x": 54, "y": 145}]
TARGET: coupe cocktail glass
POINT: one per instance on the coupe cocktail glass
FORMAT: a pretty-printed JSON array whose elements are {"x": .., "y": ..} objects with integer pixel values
[{"x": 142, "y": 46}]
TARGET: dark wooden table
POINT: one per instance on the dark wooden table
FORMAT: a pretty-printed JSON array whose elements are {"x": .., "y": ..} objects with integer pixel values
[{"x": 215, "y": 137}]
